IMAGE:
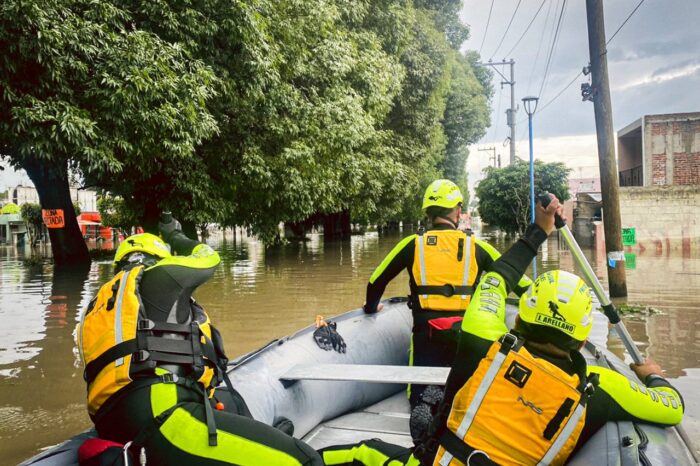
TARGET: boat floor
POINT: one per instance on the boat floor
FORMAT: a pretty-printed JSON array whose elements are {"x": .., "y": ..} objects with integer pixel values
[{"x": 387, "y": 419}]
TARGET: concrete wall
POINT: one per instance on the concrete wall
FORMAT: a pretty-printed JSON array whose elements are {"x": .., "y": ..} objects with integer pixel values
[
  {"x": 85, "y": 198},
  {"x": 672, "y": 149},
  {"x": 666, "y": 218}
]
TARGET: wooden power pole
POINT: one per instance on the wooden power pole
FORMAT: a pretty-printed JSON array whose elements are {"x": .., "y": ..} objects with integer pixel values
[{"x": 609, "y": 183}]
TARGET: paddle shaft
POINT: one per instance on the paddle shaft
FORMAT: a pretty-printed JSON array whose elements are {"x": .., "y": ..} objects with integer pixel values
[{"x": 592, "y": 279}]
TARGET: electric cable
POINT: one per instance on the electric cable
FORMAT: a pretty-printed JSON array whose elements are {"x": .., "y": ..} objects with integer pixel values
[
  {"x": 488, "y": 21},
  {"x": 553, "y": 47},
  {"x": 539, "y": 47},
  {"x": 550, "y": 101},
  {"x": 560, "y": 92},
  {"x": 625, "y": 22},
  {"x": 526, "y": 29},
  {"x": 507, "y": 29}
]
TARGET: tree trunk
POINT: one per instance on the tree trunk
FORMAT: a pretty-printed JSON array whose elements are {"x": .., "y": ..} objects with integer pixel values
[
  {"x": 51, "y": 182},
  {"x": 337, "y": 225}
]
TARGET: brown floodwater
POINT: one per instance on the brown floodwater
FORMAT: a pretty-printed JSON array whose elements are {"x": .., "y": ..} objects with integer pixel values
[{"x": 258, "y": 294}]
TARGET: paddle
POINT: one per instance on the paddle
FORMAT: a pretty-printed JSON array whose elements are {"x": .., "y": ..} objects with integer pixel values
[
  {"x": 366, "y": 373},
  {"x": 589, "y": 275}
]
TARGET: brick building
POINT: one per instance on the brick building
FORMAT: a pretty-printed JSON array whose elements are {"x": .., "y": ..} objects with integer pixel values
[
  {"x": 660, "y": 150},
  {"x": 659, "y": 166}
]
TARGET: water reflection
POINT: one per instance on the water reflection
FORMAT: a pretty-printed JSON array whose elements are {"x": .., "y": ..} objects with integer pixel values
[{"x": 258, "y": 294}]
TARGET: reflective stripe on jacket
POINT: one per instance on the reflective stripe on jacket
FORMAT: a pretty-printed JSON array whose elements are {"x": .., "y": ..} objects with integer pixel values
[
  {"x": 445, "y": 269},
  {"x": 516, "y": 408},
  {"x": 117, "y": 340}
]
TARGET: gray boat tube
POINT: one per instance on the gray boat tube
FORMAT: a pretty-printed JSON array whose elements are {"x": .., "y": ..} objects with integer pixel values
[{"x": 382, "y": 339}]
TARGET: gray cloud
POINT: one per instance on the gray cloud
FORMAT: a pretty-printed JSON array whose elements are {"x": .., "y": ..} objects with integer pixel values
[{"x": 660, "y": 39}]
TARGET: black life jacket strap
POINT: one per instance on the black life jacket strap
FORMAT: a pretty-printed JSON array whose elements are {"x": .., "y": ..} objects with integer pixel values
[
  {"x": 444, "y": 290},
  {"x": 151, "y": 349},
  {"x": 120, "y": 350},
  {"x": 462, "y": 451}
]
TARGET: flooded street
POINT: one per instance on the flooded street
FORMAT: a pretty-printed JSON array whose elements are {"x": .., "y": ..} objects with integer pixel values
[{"x": 258, "y": 294}]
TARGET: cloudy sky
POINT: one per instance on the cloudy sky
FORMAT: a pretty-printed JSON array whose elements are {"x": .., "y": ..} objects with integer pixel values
[{"x": 653, "y": 63}]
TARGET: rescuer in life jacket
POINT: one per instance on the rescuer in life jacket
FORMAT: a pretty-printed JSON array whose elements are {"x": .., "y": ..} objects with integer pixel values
[
  {"x": 525, "y": 397},
  {"x": 443, "y": 265},
  {"x": 153, "y": 359}
]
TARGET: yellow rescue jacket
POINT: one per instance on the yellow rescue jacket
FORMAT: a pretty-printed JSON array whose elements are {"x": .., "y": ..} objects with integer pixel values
[
  {"x": 118, "y": 343},
  {"x": 517, "y": 409},
  {"x": 445, "y": 269}
]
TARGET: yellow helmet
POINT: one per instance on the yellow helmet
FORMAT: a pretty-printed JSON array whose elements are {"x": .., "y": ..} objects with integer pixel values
[
  {"x": 560, "y": 300},
  {"x": 442, "y": 193},
  {"x": 144, "y": 242}
]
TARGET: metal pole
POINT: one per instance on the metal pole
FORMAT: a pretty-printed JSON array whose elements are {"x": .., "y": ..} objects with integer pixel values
[
  {"x": 528, "y": 103},
  {"x": 532, "y": 188},
  {"x": 609, "y": 183},
  {"x": 512, "y": 112}
]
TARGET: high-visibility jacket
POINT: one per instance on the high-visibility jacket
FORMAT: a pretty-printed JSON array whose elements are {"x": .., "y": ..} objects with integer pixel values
[
  {"x": 445, "y": 269},
  {"x": 516, "y": 409},
  {"x": 118, "y": 343}
]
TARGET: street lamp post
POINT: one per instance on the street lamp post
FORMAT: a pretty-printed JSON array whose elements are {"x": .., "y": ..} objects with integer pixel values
[{"x": 530, "y": 104}]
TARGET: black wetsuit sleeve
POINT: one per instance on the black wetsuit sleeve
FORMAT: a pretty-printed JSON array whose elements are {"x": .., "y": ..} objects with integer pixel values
[
  {"x": 400, "y": 258},
  {"x": 513, "y": 263},
  {"x": 181, "y": 244},
  {"x": 470, "y": 351}
]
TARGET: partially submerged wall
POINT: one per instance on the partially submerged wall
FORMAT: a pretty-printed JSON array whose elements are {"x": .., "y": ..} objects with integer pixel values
[{"x": 665, "y": 218}]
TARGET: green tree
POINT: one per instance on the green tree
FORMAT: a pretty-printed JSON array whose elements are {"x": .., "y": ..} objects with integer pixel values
[
  {"x": 85, "y": 90},
  {"x": 10, "y": 208},
  {"x": 504, "y": 195},
  {"x": 31, "y": 214},
  {"x": 113, "y": 213}
]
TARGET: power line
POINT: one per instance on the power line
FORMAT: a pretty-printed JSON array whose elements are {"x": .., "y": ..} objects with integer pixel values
[
  {"x": 539, "y": 47},
  {"x": 554, "y": 45},
  {"x": 551, "y": 101},
  {"x": 488, "y": 21},
  {"x": 625, "y": 22},
  {"x": 507, "y": 29},
  {"x": 526, "y": 29},
  {"x": 560, "y": 92}
]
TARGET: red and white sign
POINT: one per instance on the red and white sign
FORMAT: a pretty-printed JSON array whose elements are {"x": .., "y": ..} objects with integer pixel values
[{"x": 53, "y": 218}]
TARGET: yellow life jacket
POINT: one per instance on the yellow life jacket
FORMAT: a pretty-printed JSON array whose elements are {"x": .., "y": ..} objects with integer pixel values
[
  {"x": 445, "y": 269},
  {"x": 118, "y": 343},
  {"x": 516, "y": 409}
]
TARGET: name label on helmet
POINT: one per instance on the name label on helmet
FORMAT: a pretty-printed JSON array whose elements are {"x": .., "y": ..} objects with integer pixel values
[{"x": 557, "y": 323}]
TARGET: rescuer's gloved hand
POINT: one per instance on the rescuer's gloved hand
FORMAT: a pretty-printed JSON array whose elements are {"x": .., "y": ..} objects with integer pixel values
[
  {"x": 328, "y": 338},
  {"x": 168, "y": 226}
]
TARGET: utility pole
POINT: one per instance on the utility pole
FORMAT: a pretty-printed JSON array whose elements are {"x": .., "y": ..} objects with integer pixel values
[
  {"x": 492, "y": 149},
  {"x": 609, "y": 183},
  {"x": 510, "y": 113}
]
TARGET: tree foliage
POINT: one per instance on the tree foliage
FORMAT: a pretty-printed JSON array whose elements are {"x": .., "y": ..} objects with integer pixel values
[
  {"x": 31, "y": 214},
  {"x": 504, "y": 195},
  {"x": 246, "y": 113},
  {"x": 10, "y": 208},
  {"x": 113, "y": 213}
]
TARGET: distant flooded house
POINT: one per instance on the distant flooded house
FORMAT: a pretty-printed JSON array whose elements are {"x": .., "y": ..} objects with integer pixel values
[
  {"x": 12, "y": 227},
  {"x": 659, "y": 168}
]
